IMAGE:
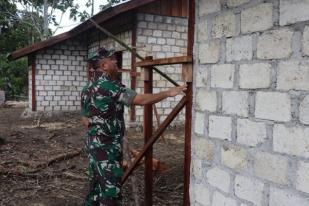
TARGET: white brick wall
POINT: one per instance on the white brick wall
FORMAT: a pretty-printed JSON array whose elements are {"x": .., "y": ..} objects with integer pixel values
[
  {"x": 209, "y": 52},
  {"x": 286, "y": 198},
  {"x": 271, "y": 167},
  {"x": 291, "y": 140},
  {"x": 224, "y": 25},
  {"x": 165, "y": 38},
  {"x": 222, "y": 76},
  {"x": 251, "y": 133},
  {"x": 249, "y": 189},
  {"x": 51, "y": 73},
  {"x": 293, "y": 75},
  {"x": 276, "y": 44},
  {"x": 233, "y": 3},
  {"x": 219, "y": 200},
  {"x": 220, "y": 127},
  {"x": 234, "y": 157},
  {"x": 254, "y": 76},
  {"x": 304, "y": 110},
  {"x": 258, "y": 124},
  {"x": 239, "y": 48},
  {"x": 235, "y": 103},
  {"x": 219, "y": 178},
  {"x": 273, "y": 106},
  {"x": 305, "y": 41},
  {"x": 257, "y": 18},
  {"x": 288, "y": 14},
  {"x": 206, "y": 100}
]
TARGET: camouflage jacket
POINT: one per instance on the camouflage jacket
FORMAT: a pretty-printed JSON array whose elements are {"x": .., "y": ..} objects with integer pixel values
[{"x": 102, "y": 101}]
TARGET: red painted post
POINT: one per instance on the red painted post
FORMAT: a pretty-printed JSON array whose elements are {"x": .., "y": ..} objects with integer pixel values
[
  {"x": 147, "y": 135},
  {"x": 188, "y": 122},
  {"x": 33, "y": 85}
]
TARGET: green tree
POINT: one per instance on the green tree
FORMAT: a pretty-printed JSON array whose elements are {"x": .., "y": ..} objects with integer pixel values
[{"x": 13, "y": 35}]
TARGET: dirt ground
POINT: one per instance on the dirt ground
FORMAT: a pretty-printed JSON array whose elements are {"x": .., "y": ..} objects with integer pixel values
[{"x": 42, "y": 162}]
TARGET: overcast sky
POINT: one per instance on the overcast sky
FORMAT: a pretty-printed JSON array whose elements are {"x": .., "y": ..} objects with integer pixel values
[{"x": 68, "y": 23}]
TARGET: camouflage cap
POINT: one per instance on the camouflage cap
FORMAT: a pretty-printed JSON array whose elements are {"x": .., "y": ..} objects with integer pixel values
[{"x": 100, "y": 54}]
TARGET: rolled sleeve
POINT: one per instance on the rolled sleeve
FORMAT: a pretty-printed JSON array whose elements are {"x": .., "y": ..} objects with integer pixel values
[{"x": 126, "y": 96}]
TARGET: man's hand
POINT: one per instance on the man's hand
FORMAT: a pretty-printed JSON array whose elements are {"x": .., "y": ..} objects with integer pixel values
[{"x": 177, "y": 90}]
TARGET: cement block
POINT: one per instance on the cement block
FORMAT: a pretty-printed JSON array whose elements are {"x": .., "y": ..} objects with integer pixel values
[
  {"x": 281, "y": 197},
  {"x": 199, "y": 126},
  {"x": 206, "y": 100},
  {"x": 222, "y": 76},
  {"x": 219, "y": 178},
  {"x": 203, "y": 149},
  {"x": 257, "y": 18},
  {"x": 234, "y": 3},
  {"x": 239, "y": 48},
  {"x": 293, "y": 75},
  {"x": 224, "y": 25},
  {"x": 249, "y": 189},
  {"x": 305, "y": 42},
  {"x": 291, "y": 140},
  {"x": 202, "y": 31},
  {"x": 202, "y": 194},
  {"x": 235, "y": 102},
  {"x": 304, "y": 110},
  {"x": 271, "y": 167},
  {"x": 255, "y": 76},
  {"x": 273, "y": 106},
  {"x": 208, "y": 7},
  {"x": 288, "y": 14},
  {"x": 201, "y": 77},
  {"x": 234, "y": 157},
  {"x": 276, "y": 44},
  {"x": 197, "y": 169},
  {"x": 250, "y": 133},
  {"x": 220, "y": 200},
  {"x": 209, "y": 52},
  {"x": 220, "y": 127},
  {"x": 302, "y": 177}
]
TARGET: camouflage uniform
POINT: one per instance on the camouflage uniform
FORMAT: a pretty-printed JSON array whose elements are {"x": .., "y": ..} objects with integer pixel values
[{"x": 103, "y": 103}]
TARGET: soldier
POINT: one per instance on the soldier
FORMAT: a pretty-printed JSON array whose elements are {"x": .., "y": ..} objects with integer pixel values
[{"x": 103, "y": 103}]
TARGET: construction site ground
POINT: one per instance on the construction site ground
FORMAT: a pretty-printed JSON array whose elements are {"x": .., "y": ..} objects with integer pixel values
[{"x": 42, "y": 162}]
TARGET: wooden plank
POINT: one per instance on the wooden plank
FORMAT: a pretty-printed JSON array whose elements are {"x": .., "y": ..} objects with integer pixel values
[
  {"x": 165, "y": 61},
  {"x": 133, "y": 66},
  {"x": 187, "y": 75},
  {"x": 147, "y": 134},
  {"x": 184, "y": 12}
]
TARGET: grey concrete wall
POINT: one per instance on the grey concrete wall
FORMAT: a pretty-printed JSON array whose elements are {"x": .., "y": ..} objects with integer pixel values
[
  {"x": 250, "y": 143},
  {"x": 61, "y": 72}
]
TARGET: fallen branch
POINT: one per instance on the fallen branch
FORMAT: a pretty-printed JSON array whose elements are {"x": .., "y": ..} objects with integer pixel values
[
  {"x": 40, "y": 166},
  {"x": 59, "y": 158}
]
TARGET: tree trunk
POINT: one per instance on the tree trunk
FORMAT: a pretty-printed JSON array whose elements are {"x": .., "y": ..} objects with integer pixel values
[{"x": 45, "y": 17}]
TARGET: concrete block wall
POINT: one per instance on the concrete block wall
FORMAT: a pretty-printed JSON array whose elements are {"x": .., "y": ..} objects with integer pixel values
[
  {"x": 161, "y": 37},
  {"x": 250, "y": 138},
  {"x": 61, "y": 72}
]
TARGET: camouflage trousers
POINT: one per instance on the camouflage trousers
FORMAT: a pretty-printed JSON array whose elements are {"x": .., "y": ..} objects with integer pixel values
[{"x": 105, "y": 171}]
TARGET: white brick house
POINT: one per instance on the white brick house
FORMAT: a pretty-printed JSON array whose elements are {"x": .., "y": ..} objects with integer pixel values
[
  {"x": 61, "y": 68},
  {"x": 250, "y": 138}
]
